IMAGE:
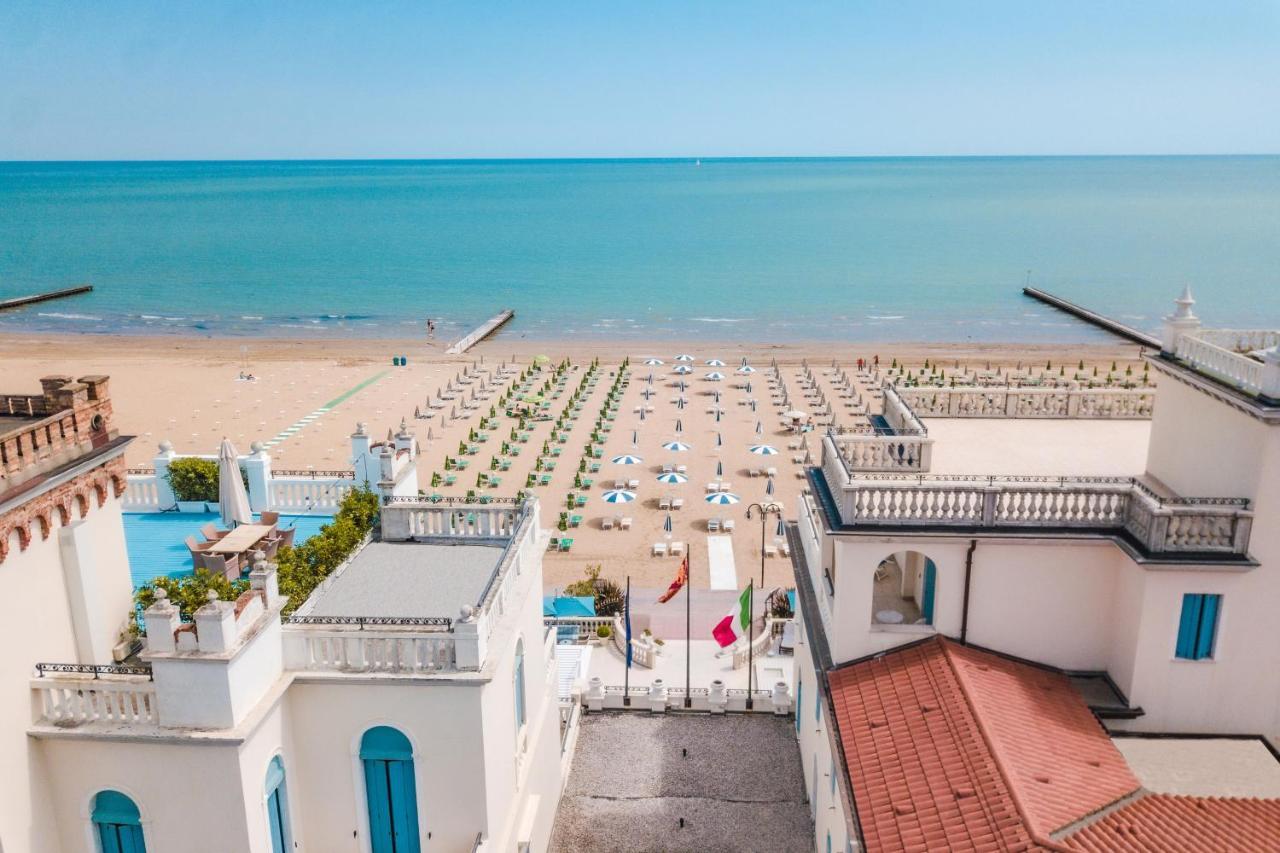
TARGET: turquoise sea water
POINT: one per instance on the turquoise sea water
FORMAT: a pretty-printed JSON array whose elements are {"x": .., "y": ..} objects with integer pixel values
[{"x": 758, "y": 250}]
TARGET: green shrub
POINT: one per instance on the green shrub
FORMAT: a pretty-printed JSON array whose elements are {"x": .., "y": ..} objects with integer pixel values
[
  {"x": 189, "y": 592},
  {"x": 194, "y": 479},
  {"x": 604, "y": 632}
]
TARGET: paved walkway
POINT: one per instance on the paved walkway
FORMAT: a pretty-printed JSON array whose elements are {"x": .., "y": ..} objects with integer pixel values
[{"x": 735, "y": 781}]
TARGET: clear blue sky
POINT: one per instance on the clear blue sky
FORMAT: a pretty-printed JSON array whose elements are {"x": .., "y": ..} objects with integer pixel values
[{"x": 132, "y": 80}]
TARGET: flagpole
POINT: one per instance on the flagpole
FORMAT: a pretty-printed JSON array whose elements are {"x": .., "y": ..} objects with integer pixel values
[
  {"x": 751, "y": 622},
  {"x": 688, "y": 649}
]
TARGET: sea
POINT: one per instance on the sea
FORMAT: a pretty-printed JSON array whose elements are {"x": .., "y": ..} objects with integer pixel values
[{"x": 752, "y": 250}]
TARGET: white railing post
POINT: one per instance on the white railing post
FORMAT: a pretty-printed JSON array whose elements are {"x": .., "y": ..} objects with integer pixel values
[
  {"x": 164, "y": 492},
  {"x": 257, "y": 466}
]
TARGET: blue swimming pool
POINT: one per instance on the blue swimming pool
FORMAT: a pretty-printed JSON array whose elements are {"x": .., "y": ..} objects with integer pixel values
[{"x": 155, "y": 540}]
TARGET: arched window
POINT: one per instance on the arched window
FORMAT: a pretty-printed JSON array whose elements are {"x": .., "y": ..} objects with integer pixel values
[
  {"x": 904, "y": 590},
  {"x": 387, "y": 756},
  {"x": 278, "y": 807},
  {"x": 518, "y": 683},
  {"x": 117, "y": 824}
]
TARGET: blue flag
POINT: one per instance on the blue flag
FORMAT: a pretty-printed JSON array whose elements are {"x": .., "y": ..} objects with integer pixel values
[{"x": 626, "y": 618}]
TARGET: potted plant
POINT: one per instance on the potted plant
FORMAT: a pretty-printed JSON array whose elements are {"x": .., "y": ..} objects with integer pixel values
[{"x": 194, "y": 483}]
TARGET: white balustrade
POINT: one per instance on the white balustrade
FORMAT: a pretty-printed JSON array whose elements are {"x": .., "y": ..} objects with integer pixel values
[
  {"x": 1081, "y": 403},
  {"x": 414, "y": 520},
  {"x": 78, "y": 701},
  {"x": 1221, "y": 363},
  {"x": 141, "y": 493},
  {"x": 306, "y": 495},
  {"x": 888, "y": 453},
  {"x": 327, "y": 648}
]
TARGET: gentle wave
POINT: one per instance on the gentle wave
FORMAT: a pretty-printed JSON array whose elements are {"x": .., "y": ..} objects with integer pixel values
[{"x": 60, "y": 316}]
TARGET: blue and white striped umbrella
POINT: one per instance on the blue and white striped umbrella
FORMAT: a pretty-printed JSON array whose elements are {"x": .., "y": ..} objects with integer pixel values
[
  {"x": 683, "y": 369},
  {"x": 746, "y": 369},
  {"x": 684, "y": 357},
  {"x": 677, "y": 446},
  {"x": 618, "y": 496},
  {"x": 653, "y": 362},
  {"x": 722, "y": 498},
  {"x": 673, "y": 477},
  {"x": 627, "y": 459},
  {"x": 715, "y": 376},
  {"x": 764, "y": 450},
  {"x": 714, "y": 362}
]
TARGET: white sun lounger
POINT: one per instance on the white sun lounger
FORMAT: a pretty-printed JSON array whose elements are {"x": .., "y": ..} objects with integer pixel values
[
  {"x": 677, "y": 549},
  {"x": 677, "y": 503},
  {"x": 664, "y": 503},
  {"x": 659, "y": 549},
  {"x": 713, "y": 525},
  {"x": 606, "y": 523},
  {"x": 728, "y": 525},
  {"x": 624, "y": 523}
]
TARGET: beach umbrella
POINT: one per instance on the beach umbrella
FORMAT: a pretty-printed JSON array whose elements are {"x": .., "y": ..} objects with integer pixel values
[
  {"x": 753, "y": 405},
  {"x": 714, "y": 362},
  {"x": 666, "y": 525},
  {"x": 680, "y": 403},
  {"x": 763, "y": 450},
  {"x": 673, "y": 477},
  {"x": 782, "y": 526},
  {"x": 684, "y": 357},
  {"x": 233, "y": 502},
  {"x": 683, "y": 369},
  {"x": 719, "y": 468},
  {"x": 675, "y": 446},
  {"x": 722, "y": 498},
  {"x": 618, "y": 496},
  {"x": 653, "y": 361},
  {"x": 796, "y": 414},
  {"x": 628, "y": 459},
  {"x": 540, "y": 360},
  {"x": 719, "y": 440},
  {"x": 679, "y": 426},
  {"x": 746, "y": 369},
  {"x": 634, "y": 437},
  {"x": 715, "y": 376},
  {"x": 759, "y": 428},
  {"x": 717, "y": 416},
  {"x": 748, "y": 387},
  {"x": 768, "y": 487}
]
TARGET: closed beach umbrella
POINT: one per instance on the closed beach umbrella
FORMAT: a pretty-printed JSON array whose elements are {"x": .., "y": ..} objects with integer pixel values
[
  {"x": 666, "y": 525},
  {"x": 759, "y": 428},
  {"x": 618, "y": 496},
  {"x": 627, "y": 459},
  {"x": 719, "y": 440},
  {"x": 716, "y": 394},
  {"x": 673, "y": 477},
  {"x": 679, "y": 426},
  {"x": 722, "y": 498},
  {"x": 753, "y": 405},
  {"x": 768, "y": 487},
  {"x": 680, "y": 403},
  {"x": 764, "y": 450},
  {"x": 782, "y": 526},
  {"x": 748, "y": 387},
  {"x": 684, "y": 357},
  {"x": 233, "y": 502},
  {"x": 634, "y": 438},
  {"x": 719, "y": 468},
  {"x": 717, "y": 416},
  {"x": 675, "y": 446},
  {"x": 714, "y": 362},
  {"x": 642, "y": 414}
]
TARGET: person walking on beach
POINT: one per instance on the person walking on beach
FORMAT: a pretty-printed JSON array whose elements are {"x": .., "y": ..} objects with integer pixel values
[{"x": 431, "y": 328}]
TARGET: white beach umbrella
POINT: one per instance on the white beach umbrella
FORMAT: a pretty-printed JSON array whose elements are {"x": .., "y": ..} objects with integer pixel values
[
  {"x": 683, "y": 369},
  {"x": 672, "y": 477},
  {"x": 715, "y": 376},
  {"x": 627, "y": 459},
  {"x": 677, "y": 446},
  {"x": 684, "y": 357},
  {"x": 233, "y": 502},
  {"x": 796, "y": 414},
  {"x": 764, "y": 450},
  {"x": 722, "y": 498},
  {"x": 746, "y": 369},
  {"x": 653, "y": 362},
  {"x": 714, "y": 362},
  {"x": 618, "y": 496}
]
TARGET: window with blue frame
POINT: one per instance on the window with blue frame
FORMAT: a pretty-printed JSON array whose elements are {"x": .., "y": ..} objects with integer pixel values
[
  {"x": 518, "y": 683},
  {"x": 799, "y": 702},
  {"x": 387, "y": 757},
  {"x": 1198, "y": 626},
  {"x": 817, "y": 706},
  {"x": 117, "y": 823},
  {"x": 277, "y": 807}
]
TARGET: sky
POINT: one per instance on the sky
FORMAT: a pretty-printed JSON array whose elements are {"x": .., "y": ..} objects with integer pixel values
[{"x": 226, "y": 80}]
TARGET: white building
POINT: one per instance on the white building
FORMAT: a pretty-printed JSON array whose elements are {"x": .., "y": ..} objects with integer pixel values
[
  {"x": 408, "y": 705},
  {"x": 1154, "y": 590}
]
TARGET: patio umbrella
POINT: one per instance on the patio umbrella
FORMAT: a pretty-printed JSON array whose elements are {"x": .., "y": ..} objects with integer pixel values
[
  {"x": 683, "y": 370},
  {"x": 653, "y": 361},
  {"x": 764, "y": 450},
  {"x": 714, "y": 362},
  {"x": 768, "y": 487},
  {"x": 673, "y": 477},
  {"x": 618, "y": 496},
  {"x": 676, "y": 446},
  {"x": 684, "y": 357},
  {"x": 715, "y": 376},
  {"x": 719, "y": 468},
  {"x": 722, "y": 498},
  {"x": 628, "y": 459},
  {"x": 233, "y": 503}
]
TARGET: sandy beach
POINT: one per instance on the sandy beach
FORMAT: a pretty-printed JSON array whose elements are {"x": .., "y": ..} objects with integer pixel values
[{"x": 189, "y": 392}]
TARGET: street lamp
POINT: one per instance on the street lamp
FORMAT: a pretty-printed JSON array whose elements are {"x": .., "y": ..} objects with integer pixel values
[{"x": 764, "y": 511}]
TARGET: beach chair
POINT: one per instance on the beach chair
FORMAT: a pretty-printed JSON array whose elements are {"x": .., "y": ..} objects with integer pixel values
[
  {"x": 664, "y": 503},
  {"x": 726, "y": 487},
  {"x": 713, "y": 525},
  {"x": 624, "y": 523},
  {"x": 666, "y": 469},
  {"x": 580, "y": 501},
  {"x": 753, "y": 472},
  {"x": 606, "y": 523},
  {"x": 554, "y": 544},
  {"x": 677, "y": 503},
  {"x": 659, "y": 549},
  {"x": 619, "y": 485},
  {"x": 575, "y": 521},
  {"x": 771, "y": 550},
  {"x": 633, "y": 484},
  {"x": 784, "y": 548},
  {"x": 565, "y": 544},
  {"x": 771, "y": 472},
  {"x": 682, "y": 469},
  {"x": 544, "y": 480},
  {"x": 712, "y": 488},
  {"x": 677, "y": 549},
  {"x": 727, "y": 527}
]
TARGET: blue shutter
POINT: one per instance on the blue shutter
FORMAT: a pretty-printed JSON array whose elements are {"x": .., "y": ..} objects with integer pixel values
[
  {"x": 799, "y": 702},
  {"x": 389, "y": 785},
  {"x": 1208, "y": 626},
  {"x": 930, "y": 578},
  {"x": 519, "y": 684},
  {"x": 404, "y": 806},
  {"x": 1188, "y": 626},
  {"x": 117, "y": 821},
  {"x": 277, "y": 808},
  {"x": 276, "y": 821},
  {"x": 375, "y": 784}
]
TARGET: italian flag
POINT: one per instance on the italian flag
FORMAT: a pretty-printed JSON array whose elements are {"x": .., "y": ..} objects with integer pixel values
[{"x": 733, "y": 627}]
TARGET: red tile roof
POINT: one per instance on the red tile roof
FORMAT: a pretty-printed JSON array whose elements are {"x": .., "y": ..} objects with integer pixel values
[
  {"x": 1158, "y": 822},
  {"x": 949, "y": 747}
]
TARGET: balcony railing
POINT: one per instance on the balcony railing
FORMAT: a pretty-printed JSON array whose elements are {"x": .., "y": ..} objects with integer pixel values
[
  {"x": 1160, "y": 524},
  {"x": 1081, "y": 403},
  {"x": 334, "y": 647},
  {"x": 67, "y": 697},
  {"x": 1218, "y": 354},
  {"x": 889, "y": 453}
]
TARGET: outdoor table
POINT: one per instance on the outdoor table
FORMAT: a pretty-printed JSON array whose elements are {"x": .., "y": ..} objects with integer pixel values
[{"x": 240, "y": 540}]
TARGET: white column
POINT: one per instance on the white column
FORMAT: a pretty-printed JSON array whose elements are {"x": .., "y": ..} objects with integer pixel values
[
  {"x": 164, "y": 492},
  {"x": 1181, "y": 322},
  {"x": 257, "y": 466}
]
